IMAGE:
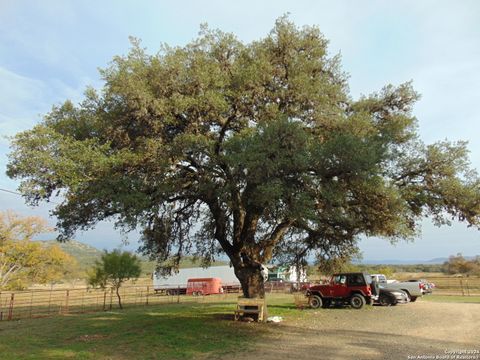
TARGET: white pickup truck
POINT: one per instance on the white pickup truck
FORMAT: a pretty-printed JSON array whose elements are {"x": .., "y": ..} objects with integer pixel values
[{"x": 414, "y": 289}]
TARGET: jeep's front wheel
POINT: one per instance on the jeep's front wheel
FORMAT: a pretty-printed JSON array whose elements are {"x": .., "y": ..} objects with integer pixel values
[
  {"x": 357, "y": 301},
  {"x": 315, "y": 301}
]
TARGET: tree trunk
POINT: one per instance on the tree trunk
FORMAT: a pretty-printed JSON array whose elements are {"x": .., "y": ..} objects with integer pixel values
[
  {"x": 119, "y": 299},
  {"x": 298, "y": 270},
  {"x": 251, "y": 279}
]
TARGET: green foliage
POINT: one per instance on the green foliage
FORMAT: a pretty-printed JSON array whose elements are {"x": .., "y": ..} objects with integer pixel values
[
  {"x": 403, "y": 268},
  {"x": 388, "y": 271},
  {"x": 220, "y": 146},
  {"x": 113, "y": 269},
  {"x": 84, "y": 254},
  {"x": 343, "y": 263}
]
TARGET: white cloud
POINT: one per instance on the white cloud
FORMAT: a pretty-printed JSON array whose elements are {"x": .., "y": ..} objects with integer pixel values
[
  {"x": 16, "y": 92},
  {"x": 23, "y": 100}
]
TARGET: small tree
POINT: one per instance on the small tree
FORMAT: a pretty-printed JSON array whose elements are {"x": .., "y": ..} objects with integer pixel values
[
  {"x": 113, "y": 270},
  {"x": 329, "y": 264}
]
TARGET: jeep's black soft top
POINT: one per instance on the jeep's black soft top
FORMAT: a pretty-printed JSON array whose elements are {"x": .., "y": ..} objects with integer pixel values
[{"x": 356, "y": 278}]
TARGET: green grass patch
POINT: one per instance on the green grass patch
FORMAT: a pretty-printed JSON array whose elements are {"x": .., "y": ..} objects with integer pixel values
[
  {"x": 175, "y": 331},
  {"x": 452, "y": 298}
]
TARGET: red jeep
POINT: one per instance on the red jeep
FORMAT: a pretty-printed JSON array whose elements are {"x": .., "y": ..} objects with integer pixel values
[{"x": 343, "y": 289}]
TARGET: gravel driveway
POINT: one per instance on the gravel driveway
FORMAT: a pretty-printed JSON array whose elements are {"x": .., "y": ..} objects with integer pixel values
[{"x": 421, "y": 330}]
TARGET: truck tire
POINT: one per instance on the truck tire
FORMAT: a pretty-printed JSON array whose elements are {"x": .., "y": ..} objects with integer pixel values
[
  {"x": 315, "y": 302},
  {"x": 413, "y": 298},
  {"x": 357, "y": 301}
]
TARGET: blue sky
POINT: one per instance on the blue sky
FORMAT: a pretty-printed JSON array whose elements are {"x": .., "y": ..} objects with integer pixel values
[{"x": 50, "y": 51}]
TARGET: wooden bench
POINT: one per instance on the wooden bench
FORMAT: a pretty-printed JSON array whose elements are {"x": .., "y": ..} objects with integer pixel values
[{"x": 251, "y": 306}]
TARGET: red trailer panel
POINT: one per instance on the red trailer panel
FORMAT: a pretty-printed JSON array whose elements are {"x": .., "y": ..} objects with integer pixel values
[{"x": 204, "y": 286}]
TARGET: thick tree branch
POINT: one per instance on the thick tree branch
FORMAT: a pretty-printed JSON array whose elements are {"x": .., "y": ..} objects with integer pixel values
[{"x": 269, "y": 244}]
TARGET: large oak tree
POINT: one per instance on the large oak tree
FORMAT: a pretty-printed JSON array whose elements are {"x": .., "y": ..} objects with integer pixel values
[{"x": 221, "y": 146}]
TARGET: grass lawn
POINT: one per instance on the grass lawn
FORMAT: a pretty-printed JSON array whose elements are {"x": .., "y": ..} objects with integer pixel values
[
  {"x": 452, "y": 298},
  {"x": 176, "y": 331}
]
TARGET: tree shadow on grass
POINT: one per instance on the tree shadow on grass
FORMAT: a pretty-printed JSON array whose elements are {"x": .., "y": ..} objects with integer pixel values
[{"x": 149, "y": 333}]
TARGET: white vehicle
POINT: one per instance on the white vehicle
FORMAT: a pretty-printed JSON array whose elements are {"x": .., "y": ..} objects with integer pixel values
[
  {"x": 414, "y": 289},
  {"x": 381, "y": 279}
]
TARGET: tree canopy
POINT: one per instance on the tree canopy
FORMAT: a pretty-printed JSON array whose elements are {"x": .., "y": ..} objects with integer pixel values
[
  {"x": 221, "y": 146},
  {"x": 459, "y": 265},
  {"x": 113, "y": 269},
  {"x": 24, "y": 262}
]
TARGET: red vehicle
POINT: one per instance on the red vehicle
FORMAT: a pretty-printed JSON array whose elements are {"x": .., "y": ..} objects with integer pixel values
[
  {"x": 204, "y": 286},
  {"x": 343, "y": 289}
]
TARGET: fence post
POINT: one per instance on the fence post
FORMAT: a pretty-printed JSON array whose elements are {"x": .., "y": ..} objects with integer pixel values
[
  {"x": 178, "y": 295},
  {"x": 104, "y": 299},
  {"x": 146, "y": 296},
  {"x": 83, "y": 302},
  {"x": 67, "y": 298},
  {"x": 461, "y": 285},
  {"x": 50, "y": 299},
  {"x": 31, "y": 303},
  {"x": 111, "y": 296},
  {"x": 466, "y": 285},
  {"x": 10, "y": 308}
]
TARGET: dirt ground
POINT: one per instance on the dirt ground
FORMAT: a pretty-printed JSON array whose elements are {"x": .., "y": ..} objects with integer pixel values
[{"x": 421, "y": 330}]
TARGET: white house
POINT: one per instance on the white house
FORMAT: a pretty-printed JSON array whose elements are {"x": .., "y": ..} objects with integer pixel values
[{"x": 287, "y": 273}]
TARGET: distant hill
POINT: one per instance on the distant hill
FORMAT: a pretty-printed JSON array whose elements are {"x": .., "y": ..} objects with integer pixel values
[
  {"x": 86, "y": 255},
  {"x": 403, "y": 262},
  {"x": 439, "y": 260}
]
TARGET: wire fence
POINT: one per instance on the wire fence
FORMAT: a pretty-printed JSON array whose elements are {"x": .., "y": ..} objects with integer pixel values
[
  {"x": 44, "y": 303},
  {"x": 464, "y": 286}
]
